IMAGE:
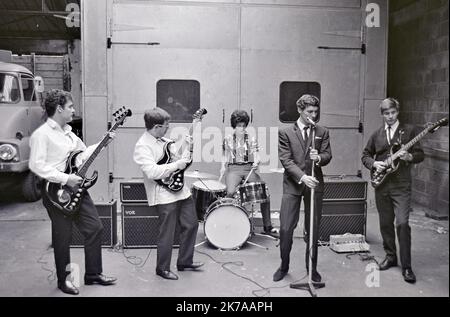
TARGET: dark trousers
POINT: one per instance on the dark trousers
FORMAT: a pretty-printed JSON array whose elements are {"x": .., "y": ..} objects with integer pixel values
[
  {"x": 289, "y": 216},
  {"x": 183, "y": 212},
  {"x": 237, "y": 173},
  {"x": 90, "y": 226},
  {"x": 393, "y": 202}
]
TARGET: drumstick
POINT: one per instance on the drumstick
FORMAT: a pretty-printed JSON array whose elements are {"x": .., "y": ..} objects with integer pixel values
[{"x": 248, "y": 176}]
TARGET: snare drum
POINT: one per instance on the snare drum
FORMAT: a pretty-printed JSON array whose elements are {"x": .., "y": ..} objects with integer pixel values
[
  {"x": 251, "y": 193},
  {"x": 204, "y": 193},
  {"x": 227, "y": 225}
]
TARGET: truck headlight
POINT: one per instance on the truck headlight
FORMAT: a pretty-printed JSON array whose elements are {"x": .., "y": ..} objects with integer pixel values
[{"x": 7, "y": 152}]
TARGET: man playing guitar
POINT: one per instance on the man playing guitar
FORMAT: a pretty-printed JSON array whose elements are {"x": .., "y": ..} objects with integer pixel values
[
  {"x": 393, "y": 197},
  {"x": 51, "y": 144},
  {"x": 172, "y": 206}
]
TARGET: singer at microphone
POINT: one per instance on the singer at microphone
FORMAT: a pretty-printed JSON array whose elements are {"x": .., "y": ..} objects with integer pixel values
[{"x": 299, "y": 145}]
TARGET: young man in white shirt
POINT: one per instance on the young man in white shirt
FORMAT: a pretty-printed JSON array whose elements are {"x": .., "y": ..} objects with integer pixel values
[
  {"x": 51, "y": 144},
  {"x": 172, "y": 207}
]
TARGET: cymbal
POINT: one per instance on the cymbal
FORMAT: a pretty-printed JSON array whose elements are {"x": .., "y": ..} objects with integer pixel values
[
  {"x": 199, "y": 175},
  {"x": 277, "y": 170}
]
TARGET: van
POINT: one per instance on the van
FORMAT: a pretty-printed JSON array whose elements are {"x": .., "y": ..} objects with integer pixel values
[{"x": 21, "y": 113}]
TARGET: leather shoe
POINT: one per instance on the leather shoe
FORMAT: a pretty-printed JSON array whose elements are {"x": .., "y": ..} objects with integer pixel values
[
  {"x": 99, "y": 279},
  {"x": 271, "y": 231},
  {"x": 279, "y": 275},
  {"x": 68, "y": 288},
  {"x": 409, "y": 276},
  {"x": 194, "y": 266},
  {"x": 168, "y": 275},
  {"x": 387, "y": 263}
]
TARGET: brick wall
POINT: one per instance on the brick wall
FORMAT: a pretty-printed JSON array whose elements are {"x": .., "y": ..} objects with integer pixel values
[{"x": 418, "y": 76}]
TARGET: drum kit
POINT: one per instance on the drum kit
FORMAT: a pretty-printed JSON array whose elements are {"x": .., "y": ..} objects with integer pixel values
[{"x": 228, "y": 225}]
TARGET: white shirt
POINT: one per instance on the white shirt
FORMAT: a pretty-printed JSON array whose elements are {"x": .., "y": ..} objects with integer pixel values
[
  {"x": 302, "y": 126},
  {"x": 51, "y": 146},
  {"x": 147, "y": 152},
  {"x": 393, "y": 129}
]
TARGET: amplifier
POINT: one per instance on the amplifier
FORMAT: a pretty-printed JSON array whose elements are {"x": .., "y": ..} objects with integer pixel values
[
  {"x": 133, "y": 192},
  {"x": 140, "y": 226},
  {"x": 344, "y": 188},
  {"x": 108, "y": 216},
  {"x": 340, "y": 217}
]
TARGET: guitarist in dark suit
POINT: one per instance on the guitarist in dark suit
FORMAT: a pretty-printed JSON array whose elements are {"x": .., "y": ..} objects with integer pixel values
[
  {"x": 51, "y": 144},
  {"x": 296, "y": 156},
  {"x": 172, "y": 207},
  {"x": 393, "y": 196}
]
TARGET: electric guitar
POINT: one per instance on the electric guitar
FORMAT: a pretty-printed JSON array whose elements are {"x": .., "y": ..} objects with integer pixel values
[
  {"x": 66, "y": 198},
  {"x": 392, "y": 162},
  {"x": 175, "y": 181}
]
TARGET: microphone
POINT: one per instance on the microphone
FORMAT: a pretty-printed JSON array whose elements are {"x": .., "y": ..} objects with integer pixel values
[{"x": 311, "y": 121}]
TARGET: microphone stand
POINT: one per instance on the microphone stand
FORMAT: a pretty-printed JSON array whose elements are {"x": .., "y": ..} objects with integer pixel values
[{"x": 311, "y": 285}]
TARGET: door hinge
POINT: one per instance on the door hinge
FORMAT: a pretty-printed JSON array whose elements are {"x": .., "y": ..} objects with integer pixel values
[
  {"x": 108, "y": 42},
  {"x": 109, "y": 125},
  {"x": 360, "y": 127},
  {"x": 111, "y": 178}
]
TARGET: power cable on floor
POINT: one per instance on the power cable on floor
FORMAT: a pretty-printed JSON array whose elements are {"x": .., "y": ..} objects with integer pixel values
[
  {"x": 51, "y": 272},
  {"x": 265, "y": 290},
  {"x": 132, "y": 259}
]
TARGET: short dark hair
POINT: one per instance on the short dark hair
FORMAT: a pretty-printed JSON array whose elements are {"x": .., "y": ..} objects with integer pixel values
[
  {"x": 55, "y": 98},
  {"x": 306, "y": 101},
  {"x": 389, "y": 103},
  {"x": 155, "y": 116},
  {"x": 239, "y": 116}
]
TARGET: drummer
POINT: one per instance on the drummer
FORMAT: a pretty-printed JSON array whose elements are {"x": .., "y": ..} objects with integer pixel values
[{"x": 240, "y": 155}]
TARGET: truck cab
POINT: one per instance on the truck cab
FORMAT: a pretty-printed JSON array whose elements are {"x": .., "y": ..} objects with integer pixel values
[{"x": 21, "y": 113}]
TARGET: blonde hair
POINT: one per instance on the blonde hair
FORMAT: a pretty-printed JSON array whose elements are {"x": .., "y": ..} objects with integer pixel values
[{"x": 389, "y": 103}]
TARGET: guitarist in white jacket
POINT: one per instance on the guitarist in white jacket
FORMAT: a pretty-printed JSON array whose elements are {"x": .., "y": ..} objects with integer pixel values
[
  {"x": 51, "y": 144},
  {"x": 393, "y": 196},
  {"x": 172, "y": 206}
]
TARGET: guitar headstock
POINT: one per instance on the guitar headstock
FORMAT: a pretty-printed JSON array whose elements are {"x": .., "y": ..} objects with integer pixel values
[
  {"x": 435, "y": 126},
  {"x": 121, "y": 114},
  {"x": 198, "y": 115}
]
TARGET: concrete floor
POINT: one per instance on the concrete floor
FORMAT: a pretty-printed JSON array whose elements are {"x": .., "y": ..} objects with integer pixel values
[{"x": 27, "y": 267}]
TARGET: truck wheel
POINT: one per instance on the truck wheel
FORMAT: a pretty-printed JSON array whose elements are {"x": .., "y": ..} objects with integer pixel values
[{"x": 31, "y": 187}]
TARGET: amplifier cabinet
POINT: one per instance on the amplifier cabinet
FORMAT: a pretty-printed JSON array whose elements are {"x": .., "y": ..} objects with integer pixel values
[
  {"x": 133, "y": 192},
  {"x": 340, "y": 217},
  {"x": 108, "y": 216},
  {"x": 344, "y": 188},
  {"x": 140, "y": 226}
]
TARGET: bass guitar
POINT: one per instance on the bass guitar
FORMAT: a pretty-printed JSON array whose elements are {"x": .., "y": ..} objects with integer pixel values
[{"x": 66, "y": 198}]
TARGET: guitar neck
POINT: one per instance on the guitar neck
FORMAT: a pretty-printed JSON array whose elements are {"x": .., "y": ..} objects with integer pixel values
[
  {"x": 87, "y": 163},
  {"x": 408, "y": 145}
]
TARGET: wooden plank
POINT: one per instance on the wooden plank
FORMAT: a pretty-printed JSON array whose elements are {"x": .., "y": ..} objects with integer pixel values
[{"x": 49, "y": 67}]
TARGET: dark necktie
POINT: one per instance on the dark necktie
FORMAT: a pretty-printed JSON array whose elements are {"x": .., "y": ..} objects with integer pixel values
[
  {"x": 305, "y": 135},
  {"x": 389, "y": 134}
]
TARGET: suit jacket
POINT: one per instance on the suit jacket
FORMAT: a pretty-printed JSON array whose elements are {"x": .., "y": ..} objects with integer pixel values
[
  {"x": 377, "y": 149},
  {"x": 294, "y": 157}
]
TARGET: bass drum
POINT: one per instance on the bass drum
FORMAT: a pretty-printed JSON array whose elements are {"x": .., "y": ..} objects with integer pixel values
[{"x": 227, "y": 226}]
